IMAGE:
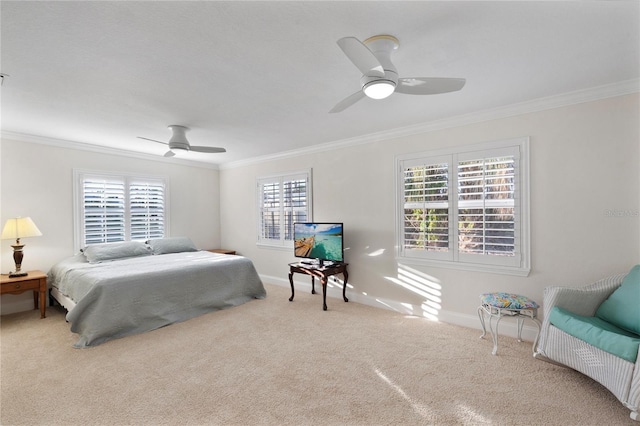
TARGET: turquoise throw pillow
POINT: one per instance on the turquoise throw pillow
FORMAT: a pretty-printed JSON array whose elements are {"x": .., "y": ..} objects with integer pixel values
[{"x": 622, "y": 308}]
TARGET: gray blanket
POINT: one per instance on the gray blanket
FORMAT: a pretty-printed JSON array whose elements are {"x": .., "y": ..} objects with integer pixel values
[{"x": 130, "y": 296}]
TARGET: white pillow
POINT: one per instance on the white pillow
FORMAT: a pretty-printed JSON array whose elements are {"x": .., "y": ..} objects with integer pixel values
[
  {"x": 171, "y": 245},
  {"x": 97, "y": 253}
]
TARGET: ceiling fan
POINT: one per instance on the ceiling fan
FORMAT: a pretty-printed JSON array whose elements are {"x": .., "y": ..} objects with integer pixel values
[
  {"x": 179, "y": 141},
  {"x": 380, "y": 78}
]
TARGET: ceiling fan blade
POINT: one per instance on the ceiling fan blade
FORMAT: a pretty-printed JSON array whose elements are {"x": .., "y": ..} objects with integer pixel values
[
  {"x": 170, "y": 154},
  {"x": 207, "y": 149},
  {"x": 361, "y": 56},
  {"x": 152, "y": 140},
  {"x": 429, "y": 85},
  {"x": 348, "y": 101}
]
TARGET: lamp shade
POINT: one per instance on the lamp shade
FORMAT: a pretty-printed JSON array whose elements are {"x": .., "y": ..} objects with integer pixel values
[{"x": 20, "y": 227}]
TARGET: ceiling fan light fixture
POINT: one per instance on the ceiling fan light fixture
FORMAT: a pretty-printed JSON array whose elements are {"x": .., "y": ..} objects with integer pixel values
[{"x": 379, "y": 89}]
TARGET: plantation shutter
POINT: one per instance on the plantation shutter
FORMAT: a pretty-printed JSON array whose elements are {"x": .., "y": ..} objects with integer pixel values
[
  {"x": 426, "y": 207},
  {"x": 467, "y": 208},
  {"x": 295, "y": 204},
  {"x": 146, "y": 201},
  {"x": 104, "y": 210},
  {"x": 487, "y": 207},
  {"x": 282, "y": 201},
  {"x": 111, "y": 208},
  {"x": 270, "y": 212}
]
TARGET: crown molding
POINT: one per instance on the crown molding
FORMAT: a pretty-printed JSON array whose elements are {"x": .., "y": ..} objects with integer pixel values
[
  {"x": 61, "y": 143},
  {"x": 550, "y": 102}
]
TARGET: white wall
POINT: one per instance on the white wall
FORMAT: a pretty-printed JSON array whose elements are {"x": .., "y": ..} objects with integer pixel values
[
  {"x": 584, "y": 164},
  {"x": 37, "y": 181},
  {"x": 584, "y": 173}
]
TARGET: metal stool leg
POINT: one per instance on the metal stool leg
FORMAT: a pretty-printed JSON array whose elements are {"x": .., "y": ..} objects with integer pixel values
[
  {"x": 481, "y": 312},
  {"x": 494, "y": 334},
  {"x": 535, "y": 341},
  {"x": 520, "y": 324}
]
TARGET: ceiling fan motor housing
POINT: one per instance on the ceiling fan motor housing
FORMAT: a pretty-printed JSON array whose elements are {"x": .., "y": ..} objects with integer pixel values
[
  {"x": 382, "y": 46},
  {"x": 179, "y": 137}
]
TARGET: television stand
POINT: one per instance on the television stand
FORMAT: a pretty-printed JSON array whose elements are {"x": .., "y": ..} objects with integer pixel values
[{"x": 323, "y": 273}]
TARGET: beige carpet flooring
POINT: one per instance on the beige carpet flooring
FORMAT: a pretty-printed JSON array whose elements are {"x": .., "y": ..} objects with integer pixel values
[{"x": 275, "y": 362}]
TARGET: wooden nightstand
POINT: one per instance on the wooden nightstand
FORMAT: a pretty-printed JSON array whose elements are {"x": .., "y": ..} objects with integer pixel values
[
  {"x": 35, "y": 281},
  {"x": 222, "y": 251}
]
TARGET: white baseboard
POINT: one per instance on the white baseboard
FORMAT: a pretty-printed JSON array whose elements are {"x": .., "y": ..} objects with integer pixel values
[{"x": 470, "y": 320}]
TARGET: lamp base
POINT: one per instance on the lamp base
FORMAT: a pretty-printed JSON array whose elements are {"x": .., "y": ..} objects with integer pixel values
[{"x": 17, "y": 258}]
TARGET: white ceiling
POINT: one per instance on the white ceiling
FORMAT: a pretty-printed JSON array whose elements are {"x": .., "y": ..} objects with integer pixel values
[{"x": 259, "y": 78}]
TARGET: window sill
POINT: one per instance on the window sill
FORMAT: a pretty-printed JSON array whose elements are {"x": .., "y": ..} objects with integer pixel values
[
  {"x": 461, "y": 266},
  {"x": 275, "y": 247}
]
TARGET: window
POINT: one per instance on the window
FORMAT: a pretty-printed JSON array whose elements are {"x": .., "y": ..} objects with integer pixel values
[
  {"x": 282, "y": 201},
  {"x": 112, "y": 207},
  {"x": 466, "y": 208}
]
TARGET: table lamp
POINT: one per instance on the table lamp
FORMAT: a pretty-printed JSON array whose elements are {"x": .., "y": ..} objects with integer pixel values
[{"x": 19, "y": 227}]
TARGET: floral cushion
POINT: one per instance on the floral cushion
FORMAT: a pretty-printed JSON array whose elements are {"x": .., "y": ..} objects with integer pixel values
[{"x": 508, "y": 301}]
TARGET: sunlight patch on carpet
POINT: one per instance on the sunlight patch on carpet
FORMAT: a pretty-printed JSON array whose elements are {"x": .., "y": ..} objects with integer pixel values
[
  {"x": 420, "y": 409},
  {"x": 468, "y": 414}
]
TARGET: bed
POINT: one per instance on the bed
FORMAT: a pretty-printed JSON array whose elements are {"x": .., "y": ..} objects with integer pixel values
[{"x": 119, "y": 289}]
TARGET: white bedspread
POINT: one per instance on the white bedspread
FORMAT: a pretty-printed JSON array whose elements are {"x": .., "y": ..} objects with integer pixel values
[{"x": 129, "y": 296}]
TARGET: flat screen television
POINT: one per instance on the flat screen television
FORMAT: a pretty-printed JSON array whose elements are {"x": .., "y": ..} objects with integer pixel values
[{"x": 319, "y": 241}]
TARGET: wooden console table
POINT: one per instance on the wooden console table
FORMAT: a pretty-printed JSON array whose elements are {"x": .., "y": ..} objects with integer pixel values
[{"x": 321, "y": 272}]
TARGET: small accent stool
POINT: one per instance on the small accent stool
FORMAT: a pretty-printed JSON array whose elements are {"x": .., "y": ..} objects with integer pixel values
[{"x": 499, "y": 305}]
